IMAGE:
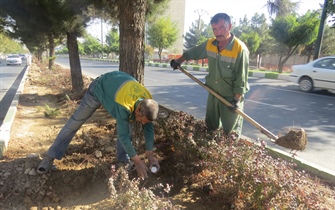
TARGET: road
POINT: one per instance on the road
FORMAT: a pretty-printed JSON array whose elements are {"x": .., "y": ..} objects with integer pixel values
[
  {"x": 275, "y": 104},
  {"x": 10, "y": 78}
]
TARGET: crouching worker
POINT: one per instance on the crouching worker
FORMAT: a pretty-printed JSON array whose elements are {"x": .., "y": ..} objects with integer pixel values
[{"x": 126, "y": 100}]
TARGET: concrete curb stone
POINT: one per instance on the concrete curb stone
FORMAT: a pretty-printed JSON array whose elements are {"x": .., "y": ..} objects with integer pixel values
[{"x": 10, "y": 116}]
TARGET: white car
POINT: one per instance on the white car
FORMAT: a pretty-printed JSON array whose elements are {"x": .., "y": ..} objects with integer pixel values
[
  {"x": 23, "y": 56},
  {"x": 13, "y": 60},
  {"x": 319, "y": 73}
]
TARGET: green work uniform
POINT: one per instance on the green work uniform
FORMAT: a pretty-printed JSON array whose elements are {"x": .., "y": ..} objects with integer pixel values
[
  {"x": 120, "y": 94},
  {"x": 228, "y": 75}
]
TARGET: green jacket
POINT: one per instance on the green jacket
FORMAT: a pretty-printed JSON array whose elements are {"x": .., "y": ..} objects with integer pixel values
[
  {"x": 228, "y": 70},
  {"x": 120, "y": 95}
]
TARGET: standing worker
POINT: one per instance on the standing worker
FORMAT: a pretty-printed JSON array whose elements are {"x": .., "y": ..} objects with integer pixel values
[
  {"x": 126, "y": 100},
  {"x": 228, "y": 65}
]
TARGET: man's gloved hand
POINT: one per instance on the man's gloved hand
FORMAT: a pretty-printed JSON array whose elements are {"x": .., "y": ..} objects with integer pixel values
[
  {"x": 174, "y": 64},
  {"x": 234, "y": 102}
]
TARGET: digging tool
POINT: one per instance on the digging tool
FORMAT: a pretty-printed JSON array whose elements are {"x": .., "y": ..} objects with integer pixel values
[{"x": 295, "y": 139}]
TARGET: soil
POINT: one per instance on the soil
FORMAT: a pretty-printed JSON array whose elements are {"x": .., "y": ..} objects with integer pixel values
[{"x": 82, "y": 178}]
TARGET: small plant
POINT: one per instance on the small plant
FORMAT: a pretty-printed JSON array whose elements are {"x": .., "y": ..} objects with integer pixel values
[
  {"x": 51, "y": 112},
  {"x": 233, "y": 174},
  {"x": 127, "y": 194}
]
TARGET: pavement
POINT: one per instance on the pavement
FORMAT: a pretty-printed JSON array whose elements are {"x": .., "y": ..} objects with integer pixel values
[{"x": 322, "y": 173}]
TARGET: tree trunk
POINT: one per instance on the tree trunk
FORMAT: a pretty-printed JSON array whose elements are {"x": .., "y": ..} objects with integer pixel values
[
  {"x": 160, "y": 55},
  {"x": 280, "y": 65},
  {"x": 76, "y": 74},
  {"x": 132, "y": 25},
  {"x": 51, "y": 51},
  {"x": 39, "y": 54}
]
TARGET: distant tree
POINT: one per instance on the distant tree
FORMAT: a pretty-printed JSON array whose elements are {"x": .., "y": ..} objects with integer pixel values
[
  {"x": 91, "y": 45},
  {"x": 162, "y": 34},
  {"x": 196, "y": 34},
  {"x": 255, "y": 34},
  {"x": 8, "y": 45},
  {"x": 291, "y": 32},
  {"x": 281, "y": 7},
  {"x": 149, "y": 51},
  {"x": 43, "y": 23},
  {"x": 112, "y": 41},
  {"x": 252, "y": 40},
  {"x": 259, "y": 25},
  {"x": 2, "y": 23},
  {"x": 331, "y": 12},
  {"x": 328, "y": 46},
  {"x": 242, "y": 27}
]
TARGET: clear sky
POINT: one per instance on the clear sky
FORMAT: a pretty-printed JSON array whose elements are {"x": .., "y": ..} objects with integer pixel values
[{"x": 235, "y": 8}]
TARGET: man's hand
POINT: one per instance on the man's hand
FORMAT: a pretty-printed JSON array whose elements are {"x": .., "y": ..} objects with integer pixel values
[
  {"x": 234, "y": 106},
  {"x": 141, "y": 167},
  {"x": 152, "y": 160},
  {"x": 174, "y": 64}
]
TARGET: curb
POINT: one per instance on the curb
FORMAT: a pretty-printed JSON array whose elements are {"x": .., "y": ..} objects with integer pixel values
[
  {"x": 312, "y": 168},
  {"x": 10, "y": 116},
  {"x": 318, "y": 171},
  {"x": 267, "y": 75}
]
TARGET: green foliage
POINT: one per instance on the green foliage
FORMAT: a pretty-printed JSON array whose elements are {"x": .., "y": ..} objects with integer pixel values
[
  {"x": 51, "y": 112},
  {"x": 281, "y": 7},
  {"x": 162, "y": 34},
  {"x": 91, "y": 45},
  {"x": 291, "y": 32},
  {"x": 112, "y": 41},
  {"x": 64, "y": 50},
  {"x": 331, "y": 12},
  {"x": 261, "y": 43},
  {"x": 9, "y": 45},
  {"x": 149, "y": 50},
  {"x": 252, "y": 41},
  {"x": 197, "y": 34},
  {"x": 328, "y": 42}
]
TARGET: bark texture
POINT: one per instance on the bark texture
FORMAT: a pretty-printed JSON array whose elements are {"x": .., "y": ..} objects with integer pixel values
[
  {"x": 132, "y": 30},
  {"x": 76, "y": 74}
]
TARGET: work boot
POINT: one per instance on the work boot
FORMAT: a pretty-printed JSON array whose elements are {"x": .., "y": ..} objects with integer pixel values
[{"x": 45, "y": 165}]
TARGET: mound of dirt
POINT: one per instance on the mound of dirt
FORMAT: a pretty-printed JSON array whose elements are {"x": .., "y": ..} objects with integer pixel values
[{"x": 80, "y": 179}]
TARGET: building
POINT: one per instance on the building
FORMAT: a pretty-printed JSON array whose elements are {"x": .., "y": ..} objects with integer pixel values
[{"x": 176, "y": 12}]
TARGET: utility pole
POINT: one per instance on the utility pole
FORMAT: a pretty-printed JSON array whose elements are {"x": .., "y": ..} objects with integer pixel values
[
  {"x": 102, "y": 39},
  {"x": 318, "y": 42},
  {"x": 200, "y": 12}
]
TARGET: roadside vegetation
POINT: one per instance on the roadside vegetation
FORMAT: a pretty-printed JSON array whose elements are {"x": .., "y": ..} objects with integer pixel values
[{"x": 199, "y": 170}]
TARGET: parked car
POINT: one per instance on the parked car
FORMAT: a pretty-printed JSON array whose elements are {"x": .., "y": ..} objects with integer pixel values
[
  {"x": 13, "y": 60},
  {"x": 23, "y": 56},
  {"x": 319, "y": 73}
]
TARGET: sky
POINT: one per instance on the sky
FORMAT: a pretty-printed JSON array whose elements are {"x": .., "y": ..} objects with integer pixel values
[
  {"x": 208, "y": 8},
  {"x": 235, "y": 8}
]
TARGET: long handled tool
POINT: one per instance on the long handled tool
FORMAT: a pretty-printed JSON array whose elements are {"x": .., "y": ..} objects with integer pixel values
[{"x": 296, "y": 140}]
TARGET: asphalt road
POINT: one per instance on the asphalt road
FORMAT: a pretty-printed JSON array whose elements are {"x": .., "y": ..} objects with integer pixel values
[
  {"x": 10, "y": 78},
  {"x": 275, "y": 104}
]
